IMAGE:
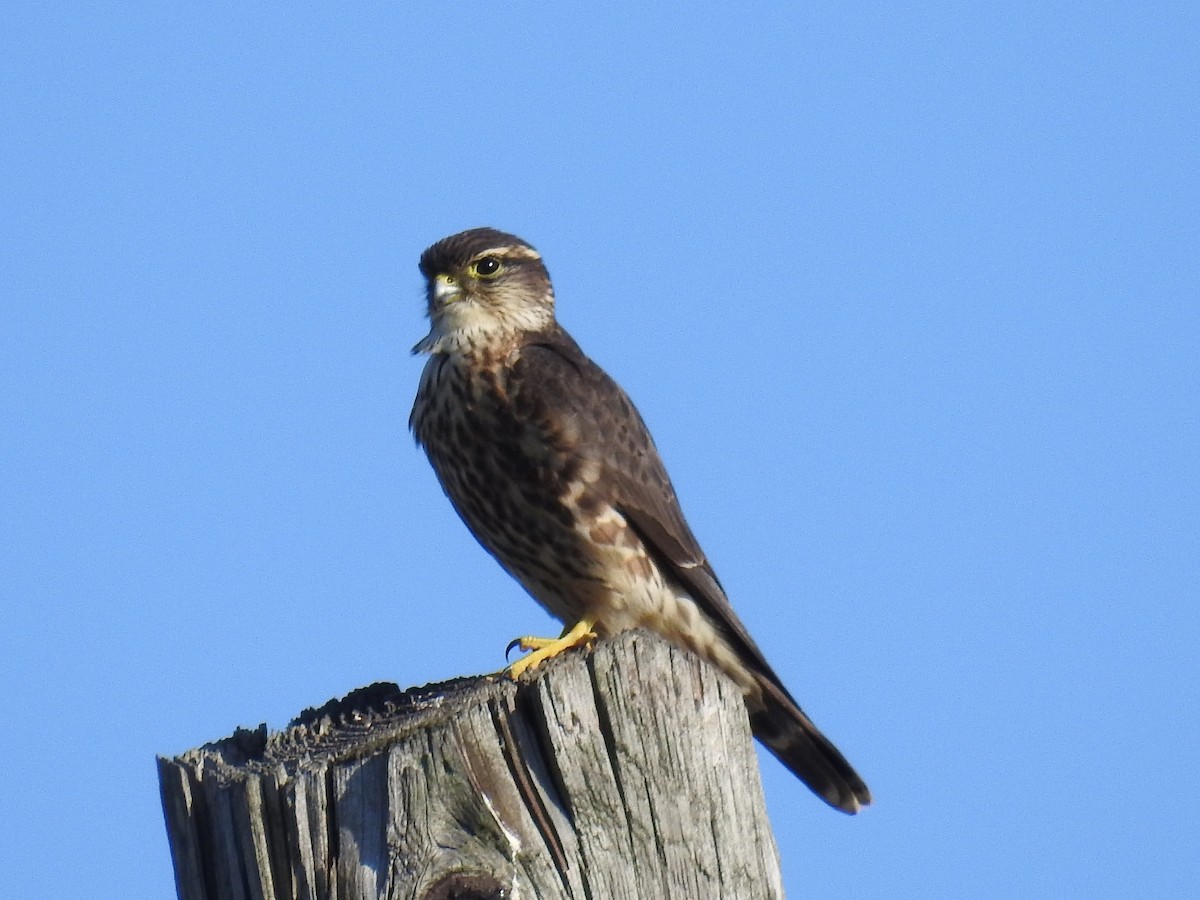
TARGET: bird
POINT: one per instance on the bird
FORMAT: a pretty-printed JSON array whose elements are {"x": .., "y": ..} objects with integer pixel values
[{"x": 549, "y": 464}]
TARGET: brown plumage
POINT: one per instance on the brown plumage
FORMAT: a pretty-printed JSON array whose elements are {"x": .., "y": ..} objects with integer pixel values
[{"x": 551, "y": 467}]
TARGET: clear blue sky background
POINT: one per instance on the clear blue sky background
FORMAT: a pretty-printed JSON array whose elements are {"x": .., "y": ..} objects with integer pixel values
[{"x": 909, "y": 298}]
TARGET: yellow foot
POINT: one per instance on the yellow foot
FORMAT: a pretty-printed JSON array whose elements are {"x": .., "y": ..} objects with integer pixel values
[{"x": 544, "y": 648}]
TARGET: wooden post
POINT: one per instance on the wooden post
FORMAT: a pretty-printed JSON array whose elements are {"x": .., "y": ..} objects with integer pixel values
[{"x": 623, "y": 772}]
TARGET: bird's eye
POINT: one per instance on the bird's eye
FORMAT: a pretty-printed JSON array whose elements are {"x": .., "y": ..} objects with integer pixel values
[{"x": 488, "y": 267}]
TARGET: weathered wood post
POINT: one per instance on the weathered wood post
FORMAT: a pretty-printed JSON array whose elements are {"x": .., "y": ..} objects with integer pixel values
[{"x": 623, "y": 772}]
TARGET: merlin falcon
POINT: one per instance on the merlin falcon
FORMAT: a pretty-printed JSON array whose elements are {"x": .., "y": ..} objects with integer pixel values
[{"x": 552, "y": 469}]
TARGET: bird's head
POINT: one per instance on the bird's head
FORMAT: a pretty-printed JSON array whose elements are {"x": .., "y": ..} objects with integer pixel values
[{"x": 484, "y": 289}]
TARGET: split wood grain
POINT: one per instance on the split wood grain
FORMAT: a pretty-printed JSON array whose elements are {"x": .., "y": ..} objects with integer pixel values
[{"x": 627, "y": 771}]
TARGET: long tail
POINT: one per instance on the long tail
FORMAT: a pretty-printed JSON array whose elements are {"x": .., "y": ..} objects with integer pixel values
[{"x": 788, "y": 733}]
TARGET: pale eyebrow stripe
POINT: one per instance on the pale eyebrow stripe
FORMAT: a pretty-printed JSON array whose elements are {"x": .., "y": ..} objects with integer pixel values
[{"x": 508, "y": 250}]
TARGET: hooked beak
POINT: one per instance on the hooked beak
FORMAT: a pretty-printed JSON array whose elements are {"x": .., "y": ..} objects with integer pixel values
[{"x": 446, "y": 289}]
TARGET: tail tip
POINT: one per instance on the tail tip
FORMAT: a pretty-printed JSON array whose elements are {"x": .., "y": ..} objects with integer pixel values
[{"x": 850, "y": 799}]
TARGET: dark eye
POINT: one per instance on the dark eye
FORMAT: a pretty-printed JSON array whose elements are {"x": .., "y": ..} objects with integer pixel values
[{"x": 487, "y": 267}]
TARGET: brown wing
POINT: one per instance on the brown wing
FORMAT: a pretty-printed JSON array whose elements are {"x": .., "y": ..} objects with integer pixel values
[
  {"x": 554, "y": 382},
  {"x": 611, "y": 431}
]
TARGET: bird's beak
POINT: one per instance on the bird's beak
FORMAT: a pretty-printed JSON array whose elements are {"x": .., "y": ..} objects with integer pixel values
[{"x": 446, "y": 289}]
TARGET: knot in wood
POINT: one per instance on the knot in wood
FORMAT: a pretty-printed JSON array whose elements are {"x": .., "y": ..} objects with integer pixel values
[{"x": 467, "y": 886}]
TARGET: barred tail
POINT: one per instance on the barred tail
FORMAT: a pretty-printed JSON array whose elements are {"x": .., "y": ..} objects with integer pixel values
[{"x": 788, "y": 733}]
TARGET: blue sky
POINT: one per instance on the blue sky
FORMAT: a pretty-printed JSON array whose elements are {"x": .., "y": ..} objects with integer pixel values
[{"x": 909, "y": 298}]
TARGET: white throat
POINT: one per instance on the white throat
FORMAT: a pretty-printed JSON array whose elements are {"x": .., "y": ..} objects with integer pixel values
[{"x": 465, "y": 325}]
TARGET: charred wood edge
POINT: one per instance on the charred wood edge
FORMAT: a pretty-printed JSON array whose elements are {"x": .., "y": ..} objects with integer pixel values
[{"x": 356, "y": 726}]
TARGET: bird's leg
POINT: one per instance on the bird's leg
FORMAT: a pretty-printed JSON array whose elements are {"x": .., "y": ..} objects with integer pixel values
[{"x": 544, "y": 648}]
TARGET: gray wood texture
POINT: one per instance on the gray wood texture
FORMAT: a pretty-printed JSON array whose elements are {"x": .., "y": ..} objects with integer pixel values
[{"x": 623, "y": 771}]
